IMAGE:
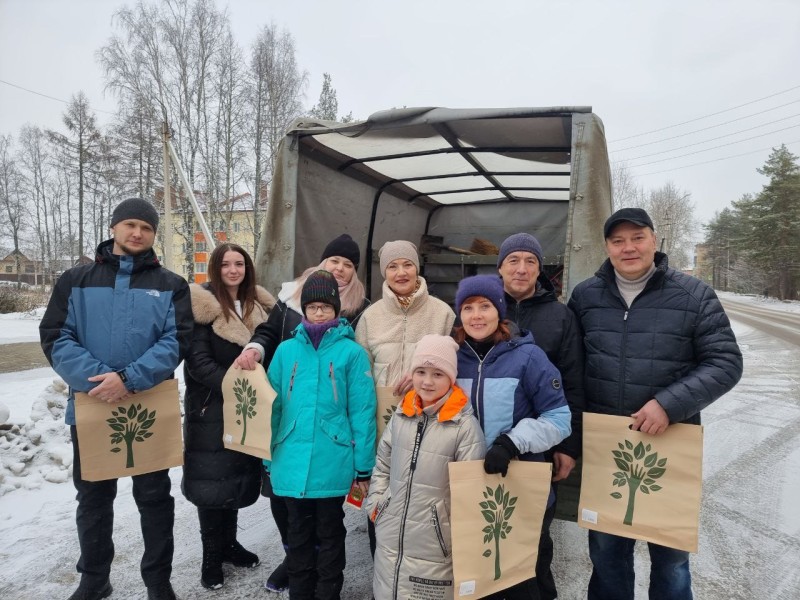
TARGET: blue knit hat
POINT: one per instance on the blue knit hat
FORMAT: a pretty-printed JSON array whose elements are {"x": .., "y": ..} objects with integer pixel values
[
  {"x": 520, "y": 242},
  {"x": 488, "y": 286}
]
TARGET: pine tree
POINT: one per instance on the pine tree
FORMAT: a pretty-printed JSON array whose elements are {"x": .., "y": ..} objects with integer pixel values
[
  {"x": 328, "y": 106},
  {"x": 771, "y": 223}
]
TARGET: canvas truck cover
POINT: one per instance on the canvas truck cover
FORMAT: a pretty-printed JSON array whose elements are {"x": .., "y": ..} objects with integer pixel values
[{"x": 450, "y": 175}]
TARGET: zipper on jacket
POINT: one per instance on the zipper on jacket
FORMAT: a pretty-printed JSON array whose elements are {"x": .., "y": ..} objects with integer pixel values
[
  {"x": 333, "y": 384},
  {"x": 380, "y": 508},
  {"x": 478, "y": 397},
  {"x": 412, "y": 467},
  {"x": 205, "y": 404},
  {"x": 621, "y": 374},
  {"x": 291, "y": 382},
  {"x": 437, "y": 527}
]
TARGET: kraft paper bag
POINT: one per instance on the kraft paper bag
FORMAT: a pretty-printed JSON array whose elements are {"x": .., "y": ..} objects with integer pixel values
[
  {"x": 247, "y": 411},
  {"x": 640, "y": 486},
  {"x": 496, "y": 522},
  {"x": 138, "y": 435},
  {"x": 386, "y": 406}
]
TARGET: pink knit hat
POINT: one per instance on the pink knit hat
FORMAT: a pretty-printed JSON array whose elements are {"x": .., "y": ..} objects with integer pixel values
[{"x": 437, "y": 351}]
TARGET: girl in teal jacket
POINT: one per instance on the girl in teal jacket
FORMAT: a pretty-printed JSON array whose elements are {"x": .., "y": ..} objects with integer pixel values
[{"x": 323, "y": 436}]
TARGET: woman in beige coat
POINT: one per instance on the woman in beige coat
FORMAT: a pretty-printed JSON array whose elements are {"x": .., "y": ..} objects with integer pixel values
[{"x": 391, "y": 327}]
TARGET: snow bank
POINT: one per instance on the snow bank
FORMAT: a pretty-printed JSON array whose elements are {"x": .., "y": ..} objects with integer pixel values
[{"x": 37, "y": 449}]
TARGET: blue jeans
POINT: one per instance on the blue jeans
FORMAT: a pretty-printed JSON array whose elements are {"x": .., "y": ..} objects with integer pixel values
[{"x": 613, "y": 575}]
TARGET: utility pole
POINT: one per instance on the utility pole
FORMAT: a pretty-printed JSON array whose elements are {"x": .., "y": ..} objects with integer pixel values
[{"x": 167, "y": 229}]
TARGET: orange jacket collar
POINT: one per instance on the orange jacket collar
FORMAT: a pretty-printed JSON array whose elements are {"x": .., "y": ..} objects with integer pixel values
[{"x": 412, "y": 405}]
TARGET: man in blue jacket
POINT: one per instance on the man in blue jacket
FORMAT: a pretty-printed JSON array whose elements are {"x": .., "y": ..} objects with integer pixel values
[
  {"x": 659, "y": 348},
  {"x": 113, "y": 328}
]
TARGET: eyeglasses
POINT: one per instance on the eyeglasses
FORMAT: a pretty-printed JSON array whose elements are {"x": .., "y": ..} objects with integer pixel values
[{"x": 319, "y": 308}]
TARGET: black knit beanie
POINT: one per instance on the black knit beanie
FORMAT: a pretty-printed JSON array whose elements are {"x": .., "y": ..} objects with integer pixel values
[
  {"x": 135, "y": 208},
  {"x": 345, "y": 247},
  {"x": 321, "y": 286}
]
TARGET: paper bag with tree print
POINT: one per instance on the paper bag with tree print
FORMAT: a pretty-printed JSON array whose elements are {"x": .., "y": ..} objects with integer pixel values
[
  {"x": 247, "y": 411},
  {"x": 387, "y": 404},
  {"x": 641, "y": 486},
  {"x": 138, "y": 435},
  {"x": 496, "y": 522}
]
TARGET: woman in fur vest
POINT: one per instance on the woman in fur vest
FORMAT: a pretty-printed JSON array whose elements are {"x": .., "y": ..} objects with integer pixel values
[{"x": 219, "y": 482}]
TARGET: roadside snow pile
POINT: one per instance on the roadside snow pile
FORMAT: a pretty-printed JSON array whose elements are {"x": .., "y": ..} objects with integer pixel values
[{"x": 38, "y": 450}]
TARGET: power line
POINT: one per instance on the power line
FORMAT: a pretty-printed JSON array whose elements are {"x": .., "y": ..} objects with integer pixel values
[
  {"x": 704, "y": 116},
  {"x": 19, "y": 87},
  {"x": 718, "y": 138},
  {"x": 716, "y": 160},
  {"x": 674, "y": 137},
  {"x": 652, "y": 162}
]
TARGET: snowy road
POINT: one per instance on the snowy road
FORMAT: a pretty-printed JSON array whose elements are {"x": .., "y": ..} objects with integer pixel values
[{"x": 749, "y": 534}]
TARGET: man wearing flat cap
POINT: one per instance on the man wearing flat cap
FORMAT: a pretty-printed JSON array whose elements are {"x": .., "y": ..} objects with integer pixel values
[
  {"x": 113, "y": 328},
  {"x": 659, "y": 349}
]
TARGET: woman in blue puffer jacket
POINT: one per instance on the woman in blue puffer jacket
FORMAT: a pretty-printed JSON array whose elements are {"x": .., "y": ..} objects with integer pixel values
[{"x": 515, "y": 390}]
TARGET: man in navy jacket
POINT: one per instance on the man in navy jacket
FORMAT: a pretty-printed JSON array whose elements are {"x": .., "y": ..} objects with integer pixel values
[
  {"x": 112, "y": 328},
  {"x": 659, "y": 348}
]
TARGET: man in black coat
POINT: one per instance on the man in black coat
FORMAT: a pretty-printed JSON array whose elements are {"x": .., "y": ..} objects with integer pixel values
[
  {"x": 659, "y": 348},
  {"x": 533, "y": 305}
]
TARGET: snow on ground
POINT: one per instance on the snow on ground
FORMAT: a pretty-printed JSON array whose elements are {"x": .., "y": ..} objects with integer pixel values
[
  {"x": 792, "y": 306},
  {"x": 20, "y": 327},
  {"x": 749, "y": 532}
]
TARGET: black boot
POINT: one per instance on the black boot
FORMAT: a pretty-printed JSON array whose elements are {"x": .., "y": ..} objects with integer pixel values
[
  {"x": 213, "y": 537},
  {"x": 278, "y": 580},
  {"x": 233, "y": 552},
  {"x": 161, "y": 591},
  {"x": 86, "y": 591}
]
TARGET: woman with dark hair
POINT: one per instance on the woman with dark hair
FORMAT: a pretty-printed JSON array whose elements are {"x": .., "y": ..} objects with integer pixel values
[
  {"x": 218, "y": 481},
  {"x": 340, "y": 258},
  {"x": 515, "y": 390}
]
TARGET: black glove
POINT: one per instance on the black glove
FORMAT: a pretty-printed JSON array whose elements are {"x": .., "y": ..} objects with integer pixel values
[
  {"x": 499, "y": 455},
  {"x": 360, "y": 477}
]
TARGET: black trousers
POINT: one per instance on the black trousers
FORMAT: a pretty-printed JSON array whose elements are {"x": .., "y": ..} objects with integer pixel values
[
  {"x": 544, "y": 574},
  {"x": 316, "y": 548},
  {"x": 95, "y": 520},
  {"x": 277, "y": 506}
]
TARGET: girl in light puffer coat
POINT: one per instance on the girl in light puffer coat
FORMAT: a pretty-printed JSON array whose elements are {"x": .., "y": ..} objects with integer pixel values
[{"x": 409, "y": 495}]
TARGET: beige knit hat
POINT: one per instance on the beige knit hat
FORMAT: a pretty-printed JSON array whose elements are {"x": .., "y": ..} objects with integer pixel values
[
  {"x": 398, "y": 249},
  {"x": 437, "y": 351}
]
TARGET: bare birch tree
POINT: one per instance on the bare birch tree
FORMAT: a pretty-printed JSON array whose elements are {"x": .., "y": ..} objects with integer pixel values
[{"x": 277, "y": 89}]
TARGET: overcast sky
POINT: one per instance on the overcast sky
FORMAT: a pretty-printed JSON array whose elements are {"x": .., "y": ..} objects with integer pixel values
[{"x": 642, "y": 66}]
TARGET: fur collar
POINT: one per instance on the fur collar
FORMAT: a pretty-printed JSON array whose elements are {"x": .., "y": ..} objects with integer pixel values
[{"x": 207, "y": 310}]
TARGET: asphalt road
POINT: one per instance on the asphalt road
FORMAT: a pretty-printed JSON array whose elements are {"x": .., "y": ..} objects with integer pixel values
[{"x": 782, "y": 325}]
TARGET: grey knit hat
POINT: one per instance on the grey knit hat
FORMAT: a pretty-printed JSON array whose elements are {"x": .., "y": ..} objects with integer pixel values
[
  {"x": 135, "y": 208},
  {"x": 391, "y": 251},
  {"x": 520, "y": 242}
]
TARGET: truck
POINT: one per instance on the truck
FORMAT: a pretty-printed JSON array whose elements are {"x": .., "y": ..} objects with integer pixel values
[{"x": 456, "y": 182}]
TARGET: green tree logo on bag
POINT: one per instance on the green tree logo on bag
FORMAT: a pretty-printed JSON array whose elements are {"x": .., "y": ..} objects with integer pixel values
[
  {"x": 639, "y": 471},
  {"x": 245, "y": 405},
  {"x": 388, "y": 416},
  {"x": 497, "y": 509},
  {"x": 130, "y": 425}
]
